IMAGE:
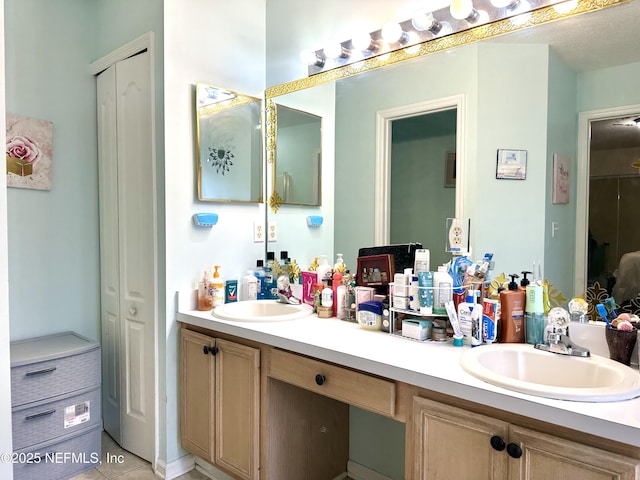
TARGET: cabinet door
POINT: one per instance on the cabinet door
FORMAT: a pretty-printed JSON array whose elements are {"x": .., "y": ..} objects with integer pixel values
[
  {"x": 197, "y": 375},
  {"x": 545, "y": 457},
  {"x": 453, "y": 443},
  {"x": 237, "y": 408}
]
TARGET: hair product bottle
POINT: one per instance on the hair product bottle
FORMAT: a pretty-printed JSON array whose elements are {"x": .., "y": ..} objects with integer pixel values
[{"x": 512, "y": 303}]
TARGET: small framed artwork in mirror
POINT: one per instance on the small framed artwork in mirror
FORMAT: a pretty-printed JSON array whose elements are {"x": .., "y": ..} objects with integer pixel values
[{"x": 511, "y": 165}]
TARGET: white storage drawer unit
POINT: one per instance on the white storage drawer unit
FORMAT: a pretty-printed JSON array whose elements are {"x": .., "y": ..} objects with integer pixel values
[{"x": 56, "y": 410}]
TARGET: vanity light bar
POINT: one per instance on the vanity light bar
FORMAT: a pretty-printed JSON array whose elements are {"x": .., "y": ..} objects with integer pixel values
[{"x": 423, "y": 27}]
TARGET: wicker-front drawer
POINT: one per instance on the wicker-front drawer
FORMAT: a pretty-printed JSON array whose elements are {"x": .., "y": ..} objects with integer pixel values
[
  {"x": 40, "y": 422},
  {"x": 349, "y": 386},
  {"x": 62, "y": 458},
  {"x": 41, "y": 380}
]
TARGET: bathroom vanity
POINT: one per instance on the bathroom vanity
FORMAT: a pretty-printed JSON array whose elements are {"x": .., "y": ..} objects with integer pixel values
[{"x": 273, "y": 403}]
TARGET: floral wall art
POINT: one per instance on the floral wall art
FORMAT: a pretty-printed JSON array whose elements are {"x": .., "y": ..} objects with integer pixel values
[{"x": 29, "y": 152}]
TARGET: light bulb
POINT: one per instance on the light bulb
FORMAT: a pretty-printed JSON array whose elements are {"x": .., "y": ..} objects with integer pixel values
[
  {"x": 310, "y": 57},
  {"x": 461, "y": 9},
  {"x": 392, "y": 33},
  {"x": 423, "y": 20},
  {"x": 502, "y": 3},
  {"x": 565, "y": 7},
  {"x": 362, "y": 41},
  {"x": 334, "y": 49}
]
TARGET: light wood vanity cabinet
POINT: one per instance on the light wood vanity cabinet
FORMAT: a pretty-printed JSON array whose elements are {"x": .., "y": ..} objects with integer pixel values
[
  {"x": 290, "y": 419},
  {"x": 220, "y": 402},
  {"x": 451, "y": 442}
]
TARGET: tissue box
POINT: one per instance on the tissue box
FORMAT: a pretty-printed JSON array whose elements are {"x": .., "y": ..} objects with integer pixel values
[{"x": 417, "y": 329}]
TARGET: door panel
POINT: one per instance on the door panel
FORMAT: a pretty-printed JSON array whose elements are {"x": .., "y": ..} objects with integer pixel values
[
  {"x": 109, "y": 263},
  {"x": 136, "y": 247},
  {"x": 127, "y": 253}
]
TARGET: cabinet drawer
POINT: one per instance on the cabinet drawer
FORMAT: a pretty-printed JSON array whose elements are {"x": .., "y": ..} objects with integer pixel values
[
  {"x": 62, "y": 458},
  {"x": 41, "y": 380},
  {"x": 349, "y": 386},
  {"x": 45, "y": 421}
]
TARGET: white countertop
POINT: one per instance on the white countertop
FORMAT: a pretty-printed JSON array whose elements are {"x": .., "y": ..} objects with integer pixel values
[{"x": 432, "y": 365}]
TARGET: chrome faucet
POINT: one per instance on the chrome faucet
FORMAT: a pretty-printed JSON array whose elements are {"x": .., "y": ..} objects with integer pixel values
[
  {"x": 557, "y": 341},
  {"x": 285, "y": 295}
]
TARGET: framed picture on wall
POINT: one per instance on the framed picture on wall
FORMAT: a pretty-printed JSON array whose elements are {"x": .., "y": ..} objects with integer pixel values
[
  {"x": 450, "y": 170},
  {"x": 560, "y": 179},
  {"x": 511, "y": 165}
]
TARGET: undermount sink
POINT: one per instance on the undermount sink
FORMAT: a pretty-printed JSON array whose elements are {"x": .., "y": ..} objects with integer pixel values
[
  {"x": 261, "y": 311},
  {"x": 524, "y": 369}
]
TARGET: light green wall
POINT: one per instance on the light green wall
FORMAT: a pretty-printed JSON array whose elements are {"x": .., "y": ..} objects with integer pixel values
[
  {"x": 508, "y": 215},
  {"x": 609, "y": 87},
  {"x": 357, "y": 101},
  {"x": 561, "y": 139},
  {"x": 377, "y": 442},
  {"x": 420, "y": 202},
  {"x": 53, "y": 235}
]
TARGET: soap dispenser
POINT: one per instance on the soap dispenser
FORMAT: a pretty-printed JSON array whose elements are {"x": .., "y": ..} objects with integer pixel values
[
  {"x": 218, "y": 288},
  {"x": 525, "y": 281},
  {"x": 512, "y": 303}
]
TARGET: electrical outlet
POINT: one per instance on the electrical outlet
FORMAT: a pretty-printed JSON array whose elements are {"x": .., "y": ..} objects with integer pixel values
[
  {"x": 258, "y": 232},
  {"x": 272, "y": 232},
  {"x": 458, "y": 235}
]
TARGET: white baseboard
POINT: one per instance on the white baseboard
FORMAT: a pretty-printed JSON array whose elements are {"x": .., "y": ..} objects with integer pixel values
[
  {"x": 176, "y": 468},
  {"x": 187, "y": 463},
  {"x": 360, "y": 472}
]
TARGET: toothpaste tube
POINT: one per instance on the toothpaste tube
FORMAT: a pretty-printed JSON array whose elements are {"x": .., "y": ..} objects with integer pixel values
[{"x": 490, "y": 319}]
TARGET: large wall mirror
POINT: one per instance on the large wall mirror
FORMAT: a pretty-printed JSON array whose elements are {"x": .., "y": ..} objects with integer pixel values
[
  {"x": 523, "y": 90},
  {"x": 297, "y": 163},
  {"x": 228, "y": 145}
]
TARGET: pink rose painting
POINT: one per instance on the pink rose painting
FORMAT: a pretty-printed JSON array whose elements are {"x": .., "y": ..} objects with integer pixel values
[{"x": 29, "y": 152}]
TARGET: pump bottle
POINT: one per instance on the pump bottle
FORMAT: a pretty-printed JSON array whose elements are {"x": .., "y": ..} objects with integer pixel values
[
  {"x": 512, "y": 302},
  {"x": 218, "y": 288},
  {"x": 525, "y": 281}
]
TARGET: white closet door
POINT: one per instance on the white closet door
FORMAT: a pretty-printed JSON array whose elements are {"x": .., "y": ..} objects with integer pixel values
[
  {"x": 131, "y": 334},
  {"x": 109, "y": 258}
]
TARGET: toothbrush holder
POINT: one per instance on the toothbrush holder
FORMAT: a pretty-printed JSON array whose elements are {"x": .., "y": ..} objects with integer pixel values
[{"x": 621, "y": 344}]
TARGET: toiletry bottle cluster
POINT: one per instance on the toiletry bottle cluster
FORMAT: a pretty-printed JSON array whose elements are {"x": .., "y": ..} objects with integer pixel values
[
  {"x": 329, "y": 289},
  {"x": 213, "y": 291},
  {"x": 259, "y": 283},
  {"x": 460, "y": 290}
]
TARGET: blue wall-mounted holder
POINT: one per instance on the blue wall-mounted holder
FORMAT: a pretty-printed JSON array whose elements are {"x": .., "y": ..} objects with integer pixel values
[
  {"x": 205, "y": 219},
  {"x": 314, "y": 220}
]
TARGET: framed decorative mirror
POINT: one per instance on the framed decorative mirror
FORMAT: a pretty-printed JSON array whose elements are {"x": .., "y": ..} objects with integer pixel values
[
  {"x": 297, "y": 163},
  {"x": 228, "y": 146}
]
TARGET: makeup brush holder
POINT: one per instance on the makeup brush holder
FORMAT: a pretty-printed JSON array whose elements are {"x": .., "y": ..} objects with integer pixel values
[{"x": 621, "y": 344}]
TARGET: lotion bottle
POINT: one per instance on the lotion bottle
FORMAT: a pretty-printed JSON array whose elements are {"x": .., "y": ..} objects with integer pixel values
[
  {"x": 218, "y": 288},
  {"x": 512, "y": 303},
  {"x": 337, "y": 282},
  {"x": 326, "y": 298},
  {"x": 442, "y": 290},
  {"x": 324, "y": 270}
]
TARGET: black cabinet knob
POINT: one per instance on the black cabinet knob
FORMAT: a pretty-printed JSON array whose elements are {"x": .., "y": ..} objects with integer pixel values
[
  {"x": 514, "y": 450},
  {"x": 210, "y": 350},
  {"x": 320, "y": 379},
  {"x": 498, "y": 443}
]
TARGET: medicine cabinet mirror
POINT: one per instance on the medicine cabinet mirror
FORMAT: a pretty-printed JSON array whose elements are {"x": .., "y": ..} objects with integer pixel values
[
  {"x": 228, "y": 146},
  {"x": 297, "y": 162}
]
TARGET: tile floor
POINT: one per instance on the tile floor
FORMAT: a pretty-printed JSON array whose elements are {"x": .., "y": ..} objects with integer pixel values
[{"x": 132, "y": 468}]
